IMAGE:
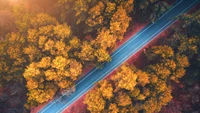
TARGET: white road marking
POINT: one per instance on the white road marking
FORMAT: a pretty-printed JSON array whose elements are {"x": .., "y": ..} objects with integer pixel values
[
  {"x": 109, "y": 70},
  {"x": 132, "y": 52},
  {"x": 119, "y": 51}
]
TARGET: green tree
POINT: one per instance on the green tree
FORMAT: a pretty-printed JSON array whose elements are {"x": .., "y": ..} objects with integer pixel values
[
  {"x": 192, "y": 23},
  {"x": 151, "y": 9}
]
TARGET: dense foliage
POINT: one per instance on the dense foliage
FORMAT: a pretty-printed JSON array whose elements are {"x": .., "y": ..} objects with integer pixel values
[
  {"x": 49, "y": 53},
  {"x": 148, "y": 89},
  {"x": 134, "y": 90},
  {"x": 46, "y": 44}
]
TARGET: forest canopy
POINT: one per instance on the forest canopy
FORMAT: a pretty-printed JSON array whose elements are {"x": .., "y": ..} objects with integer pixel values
[
  {"x": 47, "y": 50},
  {"x": 45, "y": 45}
]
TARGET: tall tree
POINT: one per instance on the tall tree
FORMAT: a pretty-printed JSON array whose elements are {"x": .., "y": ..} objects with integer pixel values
[
  {"x": 143, "y": 95},
  {"x": 151, "y": 9},
  {"x": 51, "y": 68},
  {"x": 12, "y": 60}
]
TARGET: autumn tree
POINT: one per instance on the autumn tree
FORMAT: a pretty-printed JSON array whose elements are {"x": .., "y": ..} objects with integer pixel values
[
  {"x": 185, "y": 42},
  {"x": 51, "y": 68},
  {"x": 96, "y": 15},
  {"x": 158, "y": 52},
  {"x": 125, "y": 78},
  {"x": 150, "y": 88},
  {"x": 102, "y": 55},
  {"x": 105, "y": 39},
  {"x": 167, "y": 64},
  {"x": 48, "y": 56},
  {"x": 96, "y": 98},
  {"x": 147, "y": 90},
  {"x": 105, "y": 21},
  {"x": 95, "y": 101},
  {"x": 119, "y": 23},
  {"x": 87, "y": 52},
  {"x": 93, "y": 15},
  {"x": 22, "y": 17},
  {"x": 129, "y": 90},
  {"x": 78, "y": 9},
  {"x": 12, "y": 60}
]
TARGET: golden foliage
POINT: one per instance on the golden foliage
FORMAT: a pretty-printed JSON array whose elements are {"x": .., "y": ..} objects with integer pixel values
[
  {"x": 130, "y": 96},
  {"x": 62, "y": 31},
  {"x": 159, "y": 51},
  {"x": 125, "y": 78},
  {"x": 141, "y": 97},
  {"x": 95, "y": 17},
  {"x": 143, "y": 78},
  {"x": 95, "y": 101},
  {"x": 182, "y": 61},
  {"x": 59, "y": 63},
  {"x": 102, "y": 55},
  {"x": 110, "y": 9},
  {"x": 113, "y": 108},
  {"x": 135, "y": 92},
  {"x": 32, "y": 71},
  {"x": 87, "y": 52},
  {"x": 150, "y": 105},
  {"x": 75, "y": 42},
  {"x": 119, "y": 23},
  {"x": 128, "y": 5},
  {"x": 41, "y": 95},
  {"x": 189, "y": 45},
  {"x": 160, "y": 70},
  {"x": 166, "y": 96},
  {"x": 65, "y": 83},
  {"x": 45, "y": 62},
  {"x": 80, "y": 6},
  {"x": 105, "y": 39},
  {"x": 75, "y": 69},
  {"x": 180, "y": 72},
  {"x": 50, "y": 74},
  {"x": 171, "y": 64},
  {"x": 160, "y": 86},
  {"x": 22, "y": 18},
  {"x": 106, "y": 89},
  {"x": 12, "y": 59},
  {"x": 122, "y": 99},
  {"x": 47, "y": 49},
  {"x": 42, "y": 19}
]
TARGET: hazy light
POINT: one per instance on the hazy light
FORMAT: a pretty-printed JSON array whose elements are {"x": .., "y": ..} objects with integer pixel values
[{"x": 14, "y": 1}]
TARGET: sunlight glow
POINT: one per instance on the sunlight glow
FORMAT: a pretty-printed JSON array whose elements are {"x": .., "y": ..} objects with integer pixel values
[{"x": 14, "y": 1}]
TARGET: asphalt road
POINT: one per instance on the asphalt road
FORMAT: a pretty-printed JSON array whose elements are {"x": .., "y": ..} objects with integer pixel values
[{"x": 129, "y": 48}]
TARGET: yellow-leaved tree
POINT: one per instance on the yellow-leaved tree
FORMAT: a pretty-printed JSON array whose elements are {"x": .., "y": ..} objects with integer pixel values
[
  {"x": 51, "y": 67},
  {"x": 12, "y": 59},
  {"x": 145, "y": 90},
  {"x": 125, "y": 78},
  {"x": 119, "y": 23}
]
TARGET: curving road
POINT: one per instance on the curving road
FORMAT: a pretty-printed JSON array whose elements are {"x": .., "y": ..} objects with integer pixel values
[{"x": 124, "y": 52}]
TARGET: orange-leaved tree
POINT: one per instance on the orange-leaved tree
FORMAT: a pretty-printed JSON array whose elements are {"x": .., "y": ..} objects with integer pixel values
[{"x": 51, "y": 68}]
